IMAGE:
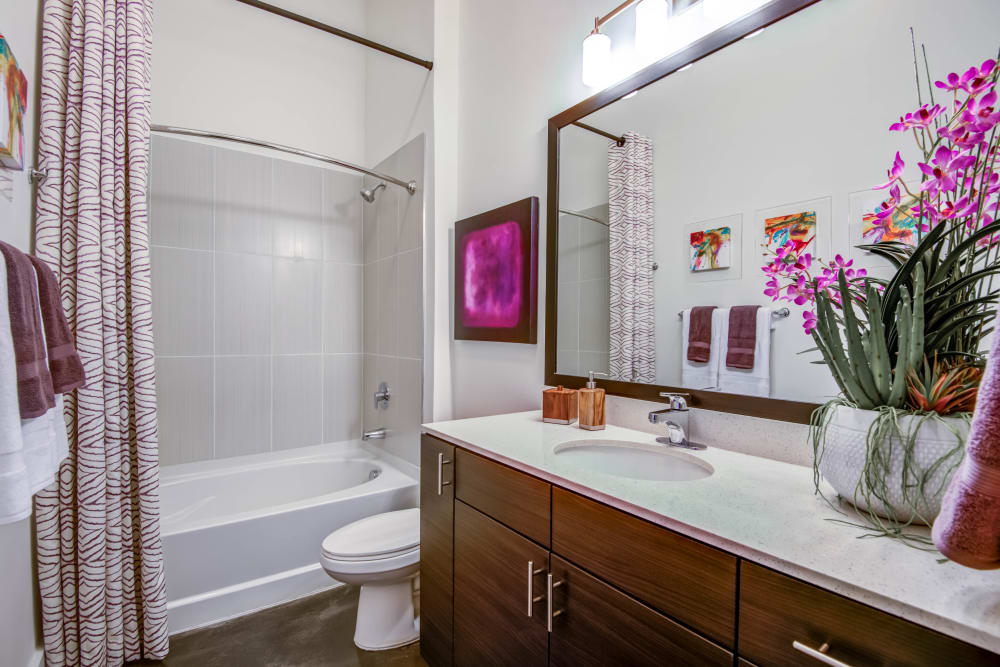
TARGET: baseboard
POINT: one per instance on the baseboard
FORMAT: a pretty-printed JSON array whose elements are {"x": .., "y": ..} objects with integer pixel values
[{"x": 223, "y": 604}]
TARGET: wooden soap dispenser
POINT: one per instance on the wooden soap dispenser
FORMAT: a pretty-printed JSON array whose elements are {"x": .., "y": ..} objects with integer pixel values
[{"x": 592, "y": 404}]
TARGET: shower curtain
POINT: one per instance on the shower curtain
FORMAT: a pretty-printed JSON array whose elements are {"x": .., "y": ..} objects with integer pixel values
[
  {"x": 100, "y": 559},
  {"x": 630, "y": 202}
]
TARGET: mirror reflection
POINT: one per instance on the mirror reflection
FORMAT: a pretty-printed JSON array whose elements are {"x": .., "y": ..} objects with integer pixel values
[{"x": 776, "y": 140}]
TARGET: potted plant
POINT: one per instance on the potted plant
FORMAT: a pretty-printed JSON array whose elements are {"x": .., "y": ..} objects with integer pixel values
[{"x": 907, "y": 350}]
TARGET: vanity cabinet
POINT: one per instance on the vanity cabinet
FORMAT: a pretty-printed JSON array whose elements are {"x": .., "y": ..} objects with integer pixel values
[
  {"x": 437, "y": 512},
  {"x": 624, "y": 591}
]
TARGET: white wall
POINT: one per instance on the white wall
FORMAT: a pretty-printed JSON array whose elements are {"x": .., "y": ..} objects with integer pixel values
[
  {"x": 20, "y": 638},
  {"x": 222, "y": 65}
]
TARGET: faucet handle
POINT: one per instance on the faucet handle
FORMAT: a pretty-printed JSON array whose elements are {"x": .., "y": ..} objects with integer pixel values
[{"x": 678, "y": 401}]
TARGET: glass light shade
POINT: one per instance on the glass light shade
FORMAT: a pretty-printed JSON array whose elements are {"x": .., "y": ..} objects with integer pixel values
[
  {"x": 652, "y": 19},
  {"x": 596, "y": 59}
]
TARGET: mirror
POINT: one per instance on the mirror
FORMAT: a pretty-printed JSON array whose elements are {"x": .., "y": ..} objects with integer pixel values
[{"x": 780, "y": 135}]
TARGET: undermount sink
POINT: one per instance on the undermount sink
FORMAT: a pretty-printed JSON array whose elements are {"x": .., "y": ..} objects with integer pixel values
[{"x": 635, "y": 460}]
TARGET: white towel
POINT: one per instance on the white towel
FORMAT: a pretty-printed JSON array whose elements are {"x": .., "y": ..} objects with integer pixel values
[
  {"x": 15, "y": 493},
  {"x": 754, "y": 381},
  {"x": 30, "y": 449},
  {"x": 695, "y": 375}
]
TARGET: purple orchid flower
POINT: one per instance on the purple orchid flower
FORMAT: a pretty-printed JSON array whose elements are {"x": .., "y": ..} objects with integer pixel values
[
  {"x": 981, "y": 114},
  {"x": 976, "y": 80},
  {"x": 941, "y": 174},
  {"x": 809, "y": 321},
  {"x": 893, "y": 173},
  {"x": 922, "y": 118}
]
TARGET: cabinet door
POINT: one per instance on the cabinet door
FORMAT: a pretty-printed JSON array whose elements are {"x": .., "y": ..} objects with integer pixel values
[
  {"x": 597, "y": 625},
  {"x": 437, "y": 508},
  {"x": 498, "y": 620}
]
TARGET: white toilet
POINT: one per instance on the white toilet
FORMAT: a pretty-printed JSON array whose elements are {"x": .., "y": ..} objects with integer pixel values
[{"x": 381, "y": 554}]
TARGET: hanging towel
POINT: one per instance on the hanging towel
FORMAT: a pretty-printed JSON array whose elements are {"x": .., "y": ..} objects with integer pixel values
[
  {"x": 34, "y": 383},
  {"x": 701, "y": 375},
  {"x": 64, "y": 362},
  {"x": 15, "y": 494},
  {"x": 755, "y": 381},
  {"x": 968, "y": 528},
  {"x": 699, "y": 335},
  {"x": 741, "y": 337}
]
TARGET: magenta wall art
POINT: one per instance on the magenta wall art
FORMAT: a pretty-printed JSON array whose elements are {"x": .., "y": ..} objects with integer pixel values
[{"x": 496, "y": 274}]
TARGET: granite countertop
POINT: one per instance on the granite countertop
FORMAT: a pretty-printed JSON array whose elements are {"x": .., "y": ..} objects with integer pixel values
[{"x": 763, "y": 510}]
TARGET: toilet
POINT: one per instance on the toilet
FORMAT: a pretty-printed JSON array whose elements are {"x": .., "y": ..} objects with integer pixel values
[{"x": 381, "y": 554}]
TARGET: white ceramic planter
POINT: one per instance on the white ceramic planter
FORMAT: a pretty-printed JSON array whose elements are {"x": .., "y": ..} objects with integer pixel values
[{"x": 843, "y": 458}]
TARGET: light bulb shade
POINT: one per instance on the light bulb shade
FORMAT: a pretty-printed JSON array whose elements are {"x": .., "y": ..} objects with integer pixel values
[
  {"x": 596, "y": 59},
  {"x": 652, "y": 19}
]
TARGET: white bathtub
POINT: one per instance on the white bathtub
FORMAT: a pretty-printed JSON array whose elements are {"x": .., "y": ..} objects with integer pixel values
[{"x": 244, "y": 533}]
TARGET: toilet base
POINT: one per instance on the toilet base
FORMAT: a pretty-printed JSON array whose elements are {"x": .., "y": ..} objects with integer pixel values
[{"x": 386, "y": 617}]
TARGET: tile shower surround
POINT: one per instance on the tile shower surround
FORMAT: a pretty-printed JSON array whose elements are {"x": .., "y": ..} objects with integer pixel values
[{"x": 258, "y": 269}]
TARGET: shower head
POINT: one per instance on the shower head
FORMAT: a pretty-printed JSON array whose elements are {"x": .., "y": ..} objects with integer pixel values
[{"x": 368, "y": 194}]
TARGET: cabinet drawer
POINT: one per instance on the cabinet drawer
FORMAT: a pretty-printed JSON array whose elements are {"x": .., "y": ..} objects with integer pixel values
[
  {"x": 599, "y": 625},
  {"x": 776, "y": 610},
  {"x": 511, "y": 497},
  {"x": 690, "y": 581}
]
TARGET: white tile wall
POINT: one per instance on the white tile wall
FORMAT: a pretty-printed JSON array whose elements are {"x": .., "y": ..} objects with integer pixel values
[
  {"x": 392, "y": 338},
  {"x": 257, "y": 302}
]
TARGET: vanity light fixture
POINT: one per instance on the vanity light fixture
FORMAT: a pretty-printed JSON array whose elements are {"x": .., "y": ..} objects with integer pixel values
[
  {"x": 596, "y": 58},
  {"x": 652, "y": 21},
  {"x": 724, "y": 11}
]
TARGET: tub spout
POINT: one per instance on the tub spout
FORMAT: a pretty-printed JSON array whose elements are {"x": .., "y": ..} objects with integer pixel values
[{"x": 377, "y": 434}]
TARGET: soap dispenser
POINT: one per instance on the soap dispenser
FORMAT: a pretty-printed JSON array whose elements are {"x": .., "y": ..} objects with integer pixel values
[{"x": 591, "y": 402}]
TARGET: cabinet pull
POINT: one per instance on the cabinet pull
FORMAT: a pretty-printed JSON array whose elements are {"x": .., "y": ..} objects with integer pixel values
[
  {"x": 532, "y": 598},
  {"x": 819, "y": 654},
  {"x": 441, "y": 463},
  {"x": 552, "y": 614}
]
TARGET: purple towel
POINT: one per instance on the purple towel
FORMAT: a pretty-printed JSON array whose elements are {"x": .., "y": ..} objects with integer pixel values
[
  {"x": 968, "y": 528},
  {"x": 742, "y": 336},
  {"x": 34, "y": 383},
  {"x": 700, "y": 333},
  {"x": 64, "y": 362}
]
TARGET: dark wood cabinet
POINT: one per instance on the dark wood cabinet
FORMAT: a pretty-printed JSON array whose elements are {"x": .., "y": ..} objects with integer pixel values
[
  {"x": 601, "y": 626},
  {"x": 498, "y": 576},
  {"x": 437, "y": 508},
  {"x": 783, "y": 619},
  {"x": 626, "y": 591}
]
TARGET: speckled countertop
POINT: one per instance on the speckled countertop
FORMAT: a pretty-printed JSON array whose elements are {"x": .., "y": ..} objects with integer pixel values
[{"x": 763, "y": 510}]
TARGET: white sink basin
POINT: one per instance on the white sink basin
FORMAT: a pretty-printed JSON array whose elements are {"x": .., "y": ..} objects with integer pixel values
[{"x": 634, "y": 460}]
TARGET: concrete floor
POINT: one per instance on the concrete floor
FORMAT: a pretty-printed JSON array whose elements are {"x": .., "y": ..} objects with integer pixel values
[{"x": 317, "y": 631}]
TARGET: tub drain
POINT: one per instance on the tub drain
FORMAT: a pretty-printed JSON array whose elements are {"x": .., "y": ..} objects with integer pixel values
[{"x": 373, "y": 474}]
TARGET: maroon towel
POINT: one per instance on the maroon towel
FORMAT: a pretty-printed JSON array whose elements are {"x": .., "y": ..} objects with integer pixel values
[
  {"x": 700, "y": 333},
  {"x": 34, "y": 383},
  {"x": 64, "y": 362},
  {"x": 742, "y": 336}
]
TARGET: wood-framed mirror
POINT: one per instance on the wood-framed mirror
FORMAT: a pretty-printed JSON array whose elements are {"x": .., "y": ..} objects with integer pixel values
[{"x": 735, "y": 142}]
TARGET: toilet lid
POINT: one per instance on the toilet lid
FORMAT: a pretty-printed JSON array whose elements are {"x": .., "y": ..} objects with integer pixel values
[{"x": 376, "y": 536}]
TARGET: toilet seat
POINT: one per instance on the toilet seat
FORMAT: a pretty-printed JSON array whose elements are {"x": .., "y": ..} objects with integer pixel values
[{"x": 384, "y": 537}]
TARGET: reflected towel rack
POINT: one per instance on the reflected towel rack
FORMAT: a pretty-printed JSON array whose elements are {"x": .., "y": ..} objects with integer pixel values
[
  {"x": 585, "y": 217},
  {"x": 411, "y": 186},
  {"x": 778, "y": 314}
]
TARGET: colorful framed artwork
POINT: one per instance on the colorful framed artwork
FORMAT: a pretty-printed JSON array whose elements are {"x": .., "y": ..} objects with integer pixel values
[
  {"x": 898, "y": 226},
  {"x": 800, "y": 228},
  {"x": 14, "y": 89},
  {"x": 711, "y": 249},
  {"x": 496, "y": 274}
]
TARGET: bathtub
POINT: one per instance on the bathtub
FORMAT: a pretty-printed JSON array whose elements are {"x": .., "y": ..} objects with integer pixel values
[{"x": 244, "y": 533}]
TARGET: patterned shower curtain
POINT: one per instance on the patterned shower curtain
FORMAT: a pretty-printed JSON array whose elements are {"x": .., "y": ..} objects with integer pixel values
[
  {"x": 100, "y": 559},
  {"x": 630, "y": 202}
]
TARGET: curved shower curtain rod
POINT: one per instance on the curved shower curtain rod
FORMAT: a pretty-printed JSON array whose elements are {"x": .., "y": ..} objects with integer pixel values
[{"x": 410, "y": 186}]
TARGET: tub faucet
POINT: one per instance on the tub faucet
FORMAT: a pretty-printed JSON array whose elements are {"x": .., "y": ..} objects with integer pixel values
[{"x": 376, "y": 434}]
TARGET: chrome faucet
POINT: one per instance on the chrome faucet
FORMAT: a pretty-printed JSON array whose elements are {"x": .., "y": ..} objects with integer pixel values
[
  {"x": 376, "y": 434},
  {"x": 676, "y": 419}
]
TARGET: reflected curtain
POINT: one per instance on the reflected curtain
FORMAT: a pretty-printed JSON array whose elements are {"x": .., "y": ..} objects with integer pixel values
[
  {"x": 630, "y": 202},
  {"x": 100, "y": 558}
]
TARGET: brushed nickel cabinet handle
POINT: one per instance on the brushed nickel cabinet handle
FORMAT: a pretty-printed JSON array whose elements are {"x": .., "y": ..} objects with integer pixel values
[
  {"x": 819, "y": 654},
  {"x": 532, "y": 598},
  {"x": 552, "y": 614},
  {"x": 442, "y": 461}
]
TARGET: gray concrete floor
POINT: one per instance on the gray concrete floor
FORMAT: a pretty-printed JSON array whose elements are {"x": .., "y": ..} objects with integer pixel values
[{"x": 317, "y": 631}]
